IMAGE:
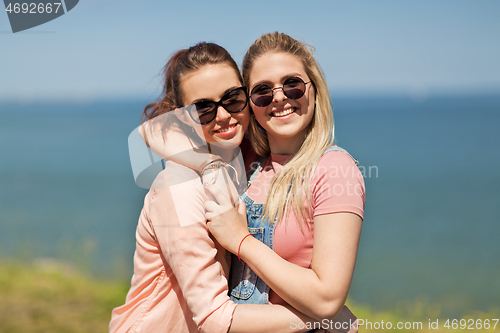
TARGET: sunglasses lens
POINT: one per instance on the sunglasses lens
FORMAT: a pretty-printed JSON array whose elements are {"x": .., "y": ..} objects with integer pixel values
[
  {"x": 294, "y": 88},
  {"x": 262, "y": 95},
  {"x": 205, "y": 112},
  {"x": 235, "y": 101}
]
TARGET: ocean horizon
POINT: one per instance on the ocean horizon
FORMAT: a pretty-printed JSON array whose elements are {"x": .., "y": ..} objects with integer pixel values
[{"x": 430, "y": 230}]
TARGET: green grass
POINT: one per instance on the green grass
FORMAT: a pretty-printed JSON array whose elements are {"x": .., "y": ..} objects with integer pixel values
[
  {"x": 421, "y": 311},
  {"x": 52, "y": 297},
  {"x": 49, "y": 296}
]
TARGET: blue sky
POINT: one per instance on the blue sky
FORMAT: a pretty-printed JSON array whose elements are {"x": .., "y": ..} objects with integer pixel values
[{"x": 116, "y": 49}]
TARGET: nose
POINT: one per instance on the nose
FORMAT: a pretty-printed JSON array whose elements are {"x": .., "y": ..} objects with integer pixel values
[
  {"x": 222, "y": 114},
  {"x": 278, "y": 94}
]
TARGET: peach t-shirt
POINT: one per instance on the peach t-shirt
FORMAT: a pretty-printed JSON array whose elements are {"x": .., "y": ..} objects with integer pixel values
[
  {"x": 337, "y": 186},
  {"x": 178, "y": 283}
]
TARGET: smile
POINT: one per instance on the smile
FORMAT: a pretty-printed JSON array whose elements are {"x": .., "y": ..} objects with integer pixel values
[
  {"x": 226, "y": 128},
  {"x": 283, "y": 113}
]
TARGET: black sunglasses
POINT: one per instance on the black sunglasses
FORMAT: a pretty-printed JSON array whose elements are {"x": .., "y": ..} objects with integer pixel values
[
  {"x": 293, "y": 88},
  {"x": 233, "y": 101}
]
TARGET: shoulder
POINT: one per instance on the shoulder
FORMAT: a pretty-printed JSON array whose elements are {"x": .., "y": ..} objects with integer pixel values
[
  {"x": 337, "y": 161},
  {"x": 338, "y": 185},
  {"x": 178, "y": 184},
  {"x": 176, "y": 174},
  {"x": 177, "y": 197},
  {"x": 337, "y": 170},
  {"x": 337, "y": 154}
]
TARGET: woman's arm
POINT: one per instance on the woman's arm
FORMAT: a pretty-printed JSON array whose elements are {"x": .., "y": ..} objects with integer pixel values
[
  {"x": 253, "y": 318},
  {"x": 171, "y": 143},
  {"x": 178, "y": 222},
  {"x": 244, "y": 320},
  {"x": 319, "y": 291}
]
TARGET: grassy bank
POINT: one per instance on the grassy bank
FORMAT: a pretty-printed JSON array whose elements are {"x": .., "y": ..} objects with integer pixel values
[
  {"x": 51, "y": 297},
  {"x": 423, "y": 317},
  {"x": 48, "y": 296}
]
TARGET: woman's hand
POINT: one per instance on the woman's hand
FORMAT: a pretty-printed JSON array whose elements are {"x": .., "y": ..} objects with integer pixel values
[
  {"x": 226, "y": 223},
  {"x": 172, "y": 143}
]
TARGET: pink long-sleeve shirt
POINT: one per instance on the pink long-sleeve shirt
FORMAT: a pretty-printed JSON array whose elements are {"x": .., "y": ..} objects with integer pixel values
[{"x": 178, "y": 283}]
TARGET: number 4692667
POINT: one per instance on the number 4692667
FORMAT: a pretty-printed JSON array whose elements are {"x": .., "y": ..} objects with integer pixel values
[
  {"x": 471, "y": 324},
  {"x": 33, "y": 8}
]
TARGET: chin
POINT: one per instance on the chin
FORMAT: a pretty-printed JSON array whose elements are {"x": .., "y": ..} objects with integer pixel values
[{"x": 227, "y": 144}]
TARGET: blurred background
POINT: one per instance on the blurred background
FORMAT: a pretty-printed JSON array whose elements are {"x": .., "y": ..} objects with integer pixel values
[{"x": 416, "y": 88}]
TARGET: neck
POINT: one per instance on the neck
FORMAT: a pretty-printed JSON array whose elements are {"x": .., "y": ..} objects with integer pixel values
[
  {"x": 226, "y": 153},
  {"x": 285, "y": 146}
]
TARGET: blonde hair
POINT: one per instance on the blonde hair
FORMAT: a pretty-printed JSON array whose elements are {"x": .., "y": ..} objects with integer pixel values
[{"x": 292, "y": 182}]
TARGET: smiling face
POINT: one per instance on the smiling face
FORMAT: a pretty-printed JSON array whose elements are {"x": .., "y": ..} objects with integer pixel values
[
  {"x": 211, "y": 82},
  {"x": 285, "y": 120}
]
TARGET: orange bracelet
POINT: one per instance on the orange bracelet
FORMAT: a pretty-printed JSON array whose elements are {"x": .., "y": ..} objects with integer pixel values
[{"x": 239, "y": 247}]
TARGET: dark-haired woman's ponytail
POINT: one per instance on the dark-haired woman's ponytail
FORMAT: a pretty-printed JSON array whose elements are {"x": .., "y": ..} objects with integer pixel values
[
  {"x": 180, "y": 64},
  {"x": 169, "y": 99}
]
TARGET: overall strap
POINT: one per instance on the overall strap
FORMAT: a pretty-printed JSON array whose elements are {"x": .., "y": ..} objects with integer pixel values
[
  {"x": 257, "y": 165},
  {"x": 335, "y": 148},
  {"x": 252, "y": 173}
]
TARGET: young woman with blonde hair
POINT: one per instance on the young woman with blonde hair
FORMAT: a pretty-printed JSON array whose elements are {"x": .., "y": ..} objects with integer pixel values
[{"x": 305, "y": 200}]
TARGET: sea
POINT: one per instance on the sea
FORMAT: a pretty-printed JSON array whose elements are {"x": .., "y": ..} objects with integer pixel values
[{"x": 431, "y": 230}]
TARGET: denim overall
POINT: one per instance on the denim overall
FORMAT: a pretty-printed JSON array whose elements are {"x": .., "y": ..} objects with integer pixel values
[{"x": 244, "y": 285}]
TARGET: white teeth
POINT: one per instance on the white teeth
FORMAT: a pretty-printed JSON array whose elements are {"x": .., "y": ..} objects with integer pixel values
[
  {"x": 222, "y": 130},
  {"x": 283, "y": 113}
]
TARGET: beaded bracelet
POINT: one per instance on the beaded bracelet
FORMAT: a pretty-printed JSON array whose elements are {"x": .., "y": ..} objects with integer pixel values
[{"x": 239, "y": 247}]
